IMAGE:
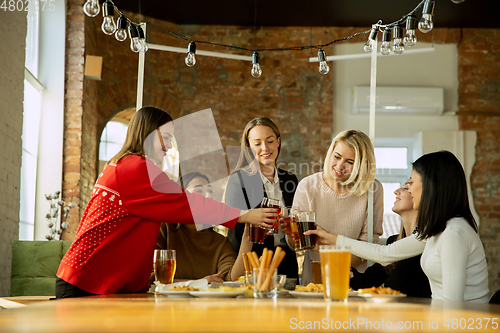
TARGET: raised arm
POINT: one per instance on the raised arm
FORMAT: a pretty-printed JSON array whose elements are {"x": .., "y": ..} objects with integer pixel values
[
  {"x": 384, "y": 254},
  {"x": 239, "y": 267}
]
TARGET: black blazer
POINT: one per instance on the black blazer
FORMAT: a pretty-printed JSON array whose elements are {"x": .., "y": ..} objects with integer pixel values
[{"x": 239, "y": 184}]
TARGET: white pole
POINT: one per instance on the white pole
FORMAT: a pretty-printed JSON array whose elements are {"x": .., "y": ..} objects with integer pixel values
[
  {"x": 199, "y": 52},
  {"x": 371, "y": 133},
  {"x": 140, "y": 75},
  {"x": 369, "y": 55}
]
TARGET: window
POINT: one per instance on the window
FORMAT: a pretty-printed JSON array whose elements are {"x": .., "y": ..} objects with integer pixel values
[
  {"x": 393, "y": 169},
  {"x": 31, "y": 129},
  {"x": 112, "y": 139}
]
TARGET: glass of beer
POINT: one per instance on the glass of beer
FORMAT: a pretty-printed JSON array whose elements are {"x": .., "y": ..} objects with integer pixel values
[
  {"x": 306, "y": 221},
  {"x": 272, "y": 203},
  {"x": 316, "y": 271},
  {"x": 289, "y": 225},
  {"x": 335, "y": 267},
  {"x": 256, "y": 234},
  {"x": 164, "y": 266}
]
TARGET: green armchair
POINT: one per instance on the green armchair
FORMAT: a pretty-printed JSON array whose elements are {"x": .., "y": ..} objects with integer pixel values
[{"x": 34, "y": 267}]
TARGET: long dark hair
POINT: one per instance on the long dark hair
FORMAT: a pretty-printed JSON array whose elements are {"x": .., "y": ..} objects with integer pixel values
[
  {"x": 143, "y": 122},
  {"x": 184, "y": 180},
  {"x": 444, "y": 193}
]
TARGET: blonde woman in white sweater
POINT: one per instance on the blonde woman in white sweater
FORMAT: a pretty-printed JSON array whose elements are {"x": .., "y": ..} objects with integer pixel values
[{"x": 339, "y": 194}]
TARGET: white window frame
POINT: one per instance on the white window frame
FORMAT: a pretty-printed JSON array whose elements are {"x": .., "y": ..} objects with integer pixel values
[{"x": 49, "y": 78}]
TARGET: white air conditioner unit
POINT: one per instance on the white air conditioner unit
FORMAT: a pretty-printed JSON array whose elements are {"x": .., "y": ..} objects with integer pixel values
[{"x": 400, "y": 100}]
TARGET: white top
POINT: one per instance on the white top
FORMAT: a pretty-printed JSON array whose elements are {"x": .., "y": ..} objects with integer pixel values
[
  {"x": 454, "y": 261},
  {"x": 342, "y": 214}
]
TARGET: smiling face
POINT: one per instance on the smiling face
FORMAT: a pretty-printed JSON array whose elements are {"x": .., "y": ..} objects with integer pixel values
[
  {"x": 404, "y": 200},
  {"x": 202, "y": 186},
  {"x": 342, "y": 162},
  {"x": 415, "y": 188},
  {"x": 265, "y": 144},
  {"x": 158, "y": 152}
]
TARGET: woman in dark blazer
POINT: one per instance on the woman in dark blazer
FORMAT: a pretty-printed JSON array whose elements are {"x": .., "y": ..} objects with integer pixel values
[{"x": 256, "y": 177}]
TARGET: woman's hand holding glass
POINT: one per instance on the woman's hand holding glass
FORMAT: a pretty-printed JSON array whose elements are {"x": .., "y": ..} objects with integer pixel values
[
  {"x": 263, "y": 217},
  {"x": 323, "y": 236}
]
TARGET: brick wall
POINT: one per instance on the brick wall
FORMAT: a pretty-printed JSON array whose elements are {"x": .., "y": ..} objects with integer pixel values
[
  {"x": 13, "y": 27},
  {"x": 290, "y": 91},
  {"x": 73, "y": 105},
  {"x": 479, "y": 106}
]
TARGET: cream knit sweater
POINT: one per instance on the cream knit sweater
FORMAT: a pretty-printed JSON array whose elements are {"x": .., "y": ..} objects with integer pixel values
[{"x": 342, "y": 214}]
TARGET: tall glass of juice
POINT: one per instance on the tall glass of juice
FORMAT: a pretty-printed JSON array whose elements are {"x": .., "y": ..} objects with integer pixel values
[{"x": 335, "y": 267}]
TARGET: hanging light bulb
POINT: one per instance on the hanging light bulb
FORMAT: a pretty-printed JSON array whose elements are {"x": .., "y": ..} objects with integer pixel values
[
  {"x": 91, "y": 8},
  {"x": 190, "y": 57},
  {"x": 135, "y": 44},
  {"x": 256, "y": 70},
  {"x": 121, "y": 32},
  {"x": 385, "y": 48},
  {"x": 398, "y": 47},
  {"x": 457, "y": 1},
  {"x": 371, "y": 40},
  {"x": 425, "y": 25},
  {"x": 108, "y": 24},
  {"x": 142, "y": 39},
  {"x": 410, "y": 37},
  {"x": 323, "y": 65}
]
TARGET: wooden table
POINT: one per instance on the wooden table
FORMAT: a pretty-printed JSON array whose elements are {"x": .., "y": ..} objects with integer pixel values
[{"x": 150, "y": 313}]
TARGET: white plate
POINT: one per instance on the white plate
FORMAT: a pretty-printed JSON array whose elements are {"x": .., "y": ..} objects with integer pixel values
[
  {"x": 175, "y": 293},
  {"x": 215, "y": 294},
  {"x": 381, "y": 298},
  {"x": 302, "y": 294}
]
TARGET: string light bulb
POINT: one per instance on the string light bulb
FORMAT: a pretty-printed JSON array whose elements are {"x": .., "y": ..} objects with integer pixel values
[
  {"x": 398, "y": 47},
  {"x": 410, "y": 38},
  {"x": 108, "y": 24},
  {"x": 135, "y": 44},
  {"x": 425, "y": 25},
  {"x": 256, "y": 70},
  {"x": 91, "y": 8},
  {"x": 385, "y": 48},
  {"x": 190, "y": 57},
  {"x": 323, "y": 65},
  {"x": 142, "y": 39},
  {"x": 121, "y": 32},
  {"x": 371, "y": 40}
]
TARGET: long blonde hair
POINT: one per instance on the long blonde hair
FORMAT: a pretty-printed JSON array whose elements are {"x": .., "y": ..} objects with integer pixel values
[
  {"x": 364, "y": 170},
  {"x": 246, "y": 160},
  {"x": 146, "y": 120}
]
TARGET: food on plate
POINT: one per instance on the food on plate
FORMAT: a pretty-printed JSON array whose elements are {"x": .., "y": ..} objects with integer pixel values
[
  {"x": 310, "y": 288},
  {"x": 182, "y": 288},
  {"x": 379, "y": 291},
  {"x": 241, "y": 279}
]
